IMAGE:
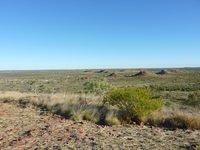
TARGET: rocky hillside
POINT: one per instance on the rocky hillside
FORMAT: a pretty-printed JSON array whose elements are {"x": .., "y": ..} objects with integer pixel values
[{"x": 28, "y": 128}]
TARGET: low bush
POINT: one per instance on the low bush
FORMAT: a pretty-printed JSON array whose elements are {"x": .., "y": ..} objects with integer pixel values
[
  {"x": 97, "y": 87},
  {"x": 134, "y": 103},
  {"x": 194, "y": 99}
]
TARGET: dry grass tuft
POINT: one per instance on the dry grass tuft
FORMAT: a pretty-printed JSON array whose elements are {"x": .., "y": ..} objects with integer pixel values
[
  {"x": 174, "y": 120},
  {"x": 112, "y": 119},
  {"x": 89, "y": 107}
]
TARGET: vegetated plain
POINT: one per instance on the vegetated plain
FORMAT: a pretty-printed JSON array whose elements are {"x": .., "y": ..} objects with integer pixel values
[{"x": 145, "y": 109}]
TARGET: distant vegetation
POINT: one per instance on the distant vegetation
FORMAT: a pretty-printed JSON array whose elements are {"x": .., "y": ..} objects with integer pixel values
[{"x": 97, "y": 87}]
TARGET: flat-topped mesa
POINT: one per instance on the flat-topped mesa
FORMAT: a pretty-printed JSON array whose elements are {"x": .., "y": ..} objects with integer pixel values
[
  {"x": 112, "y": 75},
  {"x": 162, "y": 72},
  {"x": 142, "y": 73},
  {"x": 102, "y": 71},
  {"x": 176, "y": 71}
]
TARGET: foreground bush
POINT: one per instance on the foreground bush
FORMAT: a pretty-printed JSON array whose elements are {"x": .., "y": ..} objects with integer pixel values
[{"x": 134, "y": 103}]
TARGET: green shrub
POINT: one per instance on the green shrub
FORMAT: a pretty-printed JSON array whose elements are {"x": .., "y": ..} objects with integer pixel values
[
  {"x": 134, "y": 103},
  {"x": 97, "y": 87}
]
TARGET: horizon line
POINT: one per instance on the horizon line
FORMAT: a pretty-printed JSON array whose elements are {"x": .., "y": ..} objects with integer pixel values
[{"x": 100, "y": 68}]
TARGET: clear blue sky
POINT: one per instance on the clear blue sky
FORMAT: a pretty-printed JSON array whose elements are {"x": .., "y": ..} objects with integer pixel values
[{"x": 65, "y": 34}]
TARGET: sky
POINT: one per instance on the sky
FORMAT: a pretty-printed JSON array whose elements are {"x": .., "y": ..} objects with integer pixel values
[{"x": 78, "y": 34}]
